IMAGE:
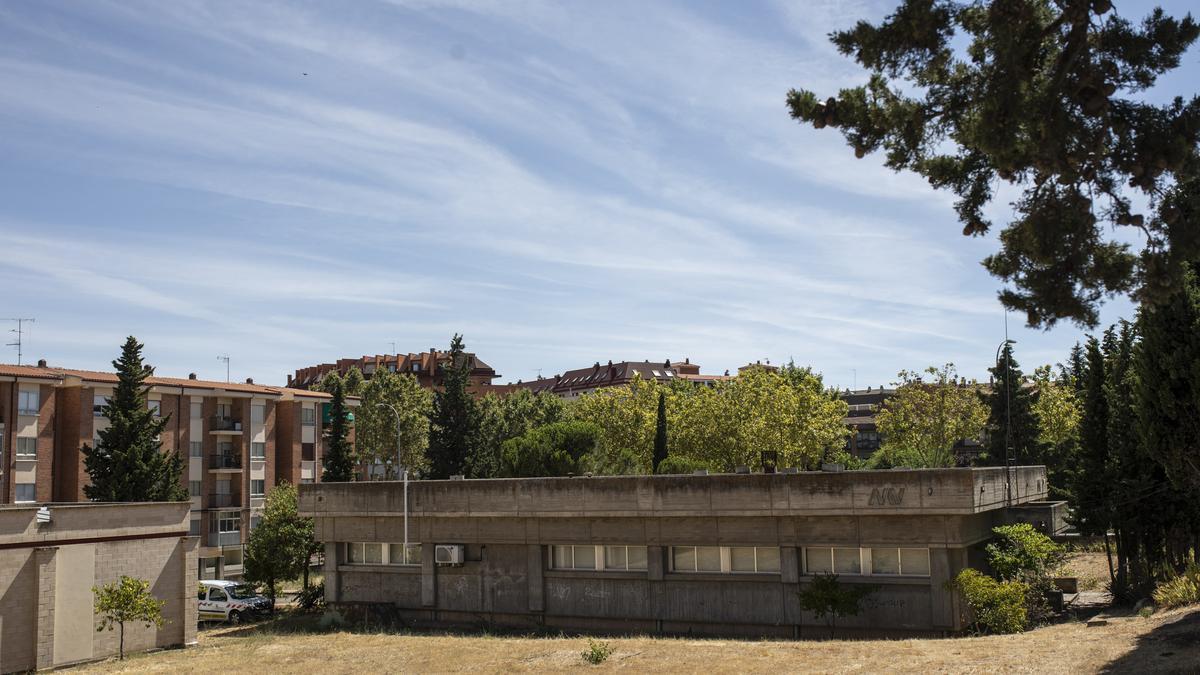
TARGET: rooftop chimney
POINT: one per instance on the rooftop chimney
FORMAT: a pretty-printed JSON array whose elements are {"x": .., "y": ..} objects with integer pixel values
[
  {"x": 192, "y": 376},
  {"x": 289, "y": 380},
  {"x": 249, "y": 380},
  {"x": 41, "y": 363}
]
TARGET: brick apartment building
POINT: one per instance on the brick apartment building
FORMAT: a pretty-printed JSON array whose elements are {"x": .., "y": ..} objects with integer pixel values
[
  {"x": 428, "y": 367},
  {"x": 575, "y": 383},
  {"x": 240, "y": 439}
]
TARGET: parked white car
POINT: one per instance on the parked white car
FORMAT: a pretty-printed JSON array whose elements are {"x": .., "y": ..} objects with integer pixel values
[{"x": 230, "y": 601}]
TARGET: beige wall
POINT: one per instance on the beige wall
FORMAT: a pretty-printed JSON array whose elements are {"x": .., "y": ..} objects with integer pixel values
[{"x": 47, "y": 572}]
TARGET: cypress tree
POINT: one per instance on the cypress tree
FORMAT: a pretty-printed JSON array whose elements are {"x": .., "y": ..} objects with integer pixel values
[
  {"x": 1010, "y": 415},
  {"x": 128, "y": 464},
  {"x": 454, "y": 421},
  {"x": 339, "y": 459},
  {"x": 660, "y": 433}
]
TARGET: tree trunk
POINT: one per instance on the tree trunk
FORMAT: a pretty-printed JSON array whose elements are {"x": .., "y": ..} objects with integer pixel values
[
  {"x": 121, "y": 648},
  {"x": 307, "y": 560},
  {"x": 1112, "y": 575}
]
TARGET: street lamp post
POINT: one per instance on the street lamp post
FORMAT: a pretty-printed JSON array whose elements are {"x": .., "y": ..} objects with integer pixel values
[{"x": 403, "y": 472}]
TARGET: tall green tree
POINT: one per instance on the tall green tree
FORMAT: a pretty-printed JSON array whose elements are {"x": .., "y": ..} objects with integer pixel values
[
  {"x": 354, "y": 381},
  {"x": 280, "y": 547},
  {"x": 1057, "y": 410},
  {"x": 926, "y": 417},
  {"x": 1092, "y": 475},
  {"x": 1168, "y": 389},
  {"x": 501, "y": 418},
  {"x": 454, "y": 421},
  {"x": 660, "y": 433},
  {"x": 395, "y": 409},
  {"x": 558, "y": 449},
  {"x": 128, "y": 463},
  {"x": 1011, "y": 419},
  {"x": 1045, "y": 96},
  {"x": 339, "y": 460}
]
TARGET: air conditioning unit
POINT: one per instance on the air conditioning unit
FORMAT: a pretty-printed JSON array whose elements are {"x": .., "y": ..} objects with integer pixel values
[{"x": 448, "y": 554}]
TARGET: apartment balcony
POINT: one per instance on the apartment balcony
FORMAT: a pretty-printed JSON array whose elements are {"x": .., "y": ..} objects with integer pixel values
[
  {"x": 223, "y": 501},
  {"x": 224, "y": 462},
  {"x": 224, "y": 426},
  {"x": 224, "y": 538}
]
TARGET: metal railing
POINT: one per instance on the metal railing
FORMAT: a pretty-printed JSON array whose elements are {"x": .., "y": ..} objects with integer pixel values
[
  {"x": 224, "y": 538},
  {"x": 219, "y": 501},
  {"x": 224, "y": 424},
  {"x": 224, "y": 461}
]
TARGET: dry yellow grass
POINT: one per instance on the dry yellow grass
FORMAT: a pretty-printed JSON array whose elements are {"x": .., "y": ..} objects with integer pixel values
[
  {"x": 1166, "y": 642},
  {"x": 1091, "y": 568}
]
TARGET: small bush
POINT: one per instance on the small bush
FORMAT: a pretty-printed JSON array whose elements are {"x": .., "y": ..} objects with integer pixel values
[
  {"x": 996, "y": 606},
  {"x": 597, "y": 652},
  {"x": 1146, "y": 612},
  {"x": 1179, "y": 591},
  {"x": 312, "y": 597},
  {"x": 1020, "y": 551}
]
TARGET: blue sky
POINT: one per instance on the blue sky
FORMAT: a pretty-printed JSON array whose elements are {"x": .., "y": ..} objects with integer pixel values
[{"x": 289, "y": 183}]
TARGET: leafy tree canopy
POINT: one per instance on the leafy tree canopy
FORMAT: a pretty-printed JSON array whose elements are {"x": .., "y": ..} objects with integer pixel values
[
  {"x": 395, "y": 409},
  {"x": 126, "y": 600},
  {"x": 280, "y": 546},
  {"x": 1042, "y": 95},
  {"x": 558, "y": 449},
  {"x": 926, "y": 417}
]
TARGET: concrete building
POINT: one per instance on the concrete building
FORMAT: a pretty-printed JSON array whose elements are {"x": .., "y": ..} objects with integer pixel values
[
  {"x": 49, "y": 564},
  {"x": 575, "y": 383},
  {"x": 723, "y": 554},
  {"x": 428, "y": 367},
  {"x": 240, "y": 439}
]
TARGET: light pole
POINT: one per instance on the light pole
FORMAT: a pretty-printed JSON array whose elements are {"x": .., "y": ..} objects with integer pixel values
[
  {"x": 403, "y": 472},
  {"x": 1007, "y": 415}
]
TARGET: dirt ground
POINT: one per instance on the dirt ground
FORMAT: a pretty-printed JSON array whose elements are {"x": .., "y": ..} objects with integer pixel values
[
  {"x": 1091, "y": 568},
  {"x": 1163, "y": 643}
]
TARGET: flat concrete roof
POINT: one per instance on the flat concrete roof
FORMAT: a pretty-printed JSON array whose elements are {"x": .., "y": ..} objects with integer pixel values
[{"x": 885, "y": 492}]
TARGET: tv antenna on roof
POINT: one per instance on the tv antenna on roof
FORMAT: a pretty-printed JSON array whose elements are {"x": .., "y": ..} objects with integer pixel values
[
  {"x": 20, "y": 331},
  {"x": 225, "y": 358},
  {"x": 393, "y": 347}
]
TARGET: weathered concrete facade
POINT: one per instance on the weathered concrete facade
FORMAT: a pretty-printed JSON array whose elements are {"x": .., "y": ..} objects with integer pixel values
[
  {"x": 720, "y": 554},
  {"x": 47, "y": 571}
]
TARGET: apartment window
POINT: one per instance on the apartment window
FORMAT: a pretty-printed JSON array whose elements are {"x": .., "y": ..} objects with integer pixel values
[
  {"x": 398, "y": 555},
  {"x": 227, "y": 521},
  {"x": 258, "y": 413},
  {"x": 196, "y": 448},
  {"x": 196, "y": 410},
  {"x": 99, "y": 402},
  {"x": 364, "y": 553},
  {"x": 913, "y": 562},
  {"x": 194, "y": 528},
  {"x": 26, "y": 447},
  {"x": 254, "y": 521},
  {"x": 832, "y": 560},
  {"x": 155, "y": 407},
  {"x": 258, "y": 488},
  {"x": 604, "y": 558},
  {"x": 225, "y": 447},
  {"x": 308, "y": 417},
  {"x": 233, "y": 556},
  {"x": 726, "y": 559},
  {"x": 391, "y": 367},
  {"x": 416, "y": 367},
  {"x": 258, "y": 451},
  {"x": 224, "y": 410},
  {"x": 28, "y": 401},
  {"x": 26, "y": 492},
  {"x": 307, "y": 452},
  {"x": 194, "y": 488}
]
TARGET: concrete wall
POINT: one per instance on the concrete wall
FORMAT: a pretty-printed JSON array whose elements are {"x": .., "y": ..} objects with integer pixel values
[
  {"x": 508, "y": 527},
  {"x": 47, "y": 572}
]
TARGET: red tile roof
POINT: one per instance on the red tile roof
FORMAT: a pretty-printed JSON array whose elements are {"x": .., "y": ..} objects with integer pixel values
[{"x": 54, "y": 373}]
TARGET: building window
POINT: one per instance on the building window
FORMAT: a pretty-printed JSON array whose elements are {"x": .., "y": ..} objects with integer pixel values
[
  {"x": 726, "y": 559},
  {"x": 416, "y": 367},
  {"x": 603, "y": 558},
  {"x": 258, "y": 488},
  {"x": 910, "y": 562},
  {"x": 696, "y": 558},
  {"x": 624, "y": 558},
  {"x": 307, "y": 452},
  {"x": 225, "y": 448},
  {"x": 26, "y": 492},
  {"x": 196, "y": 409},
  {"x": 155, "y": 407},
  {"x": 398, "y": 555},
  {"x": 99, "y": 402},
  {"x": 233, "y": 556},
  {"x": 308, "y": 416},
  {"x": 258, "y": 413},
  {"x": 754, "y": 559},
  {"x": 194, "y": 528},
  {"x": 227, "y": 521},
  {"x": 364, "y": 553},
  {"x": 196, "y": 448},
  {"x": 224, "y": 410},
  {"x": 258, "y": 451},
  {"x": 28, "y": 401},
  {"x": 832, "y": 560},
  {"x": 574, "y": 557},
  {"x": 254, "y": 521},
  {"x": 26, "y": 447},
  {"x": 194, "y": 488}
]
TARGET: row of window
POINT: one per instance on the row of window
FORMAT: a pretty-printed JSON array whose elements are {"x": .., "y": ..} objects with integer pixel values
[
  {"x": 368, "y": 553},
  {"x": 873, "y": 561}
]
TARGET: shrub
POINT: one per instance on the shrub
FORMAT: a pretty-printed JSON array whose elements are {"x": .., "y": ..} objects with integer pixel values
[
  {"x": 996, "y": 606},
  {"x": 312, "y": 597},
  {"x": 597, "y": 652},
  {"x": 1181, "y": 590},
  {"x": 1020, "y": 551},
  {"x": 827, "y": 598},
  {"x": 557, "y": 449},
  {"x": 675, "y": 464}
]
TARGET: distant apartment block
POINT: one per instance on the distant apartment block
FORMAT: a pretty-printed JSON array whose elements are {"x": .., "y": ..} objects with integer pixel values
[
  {"x": 240, "y": 439},
  {"x": 575, "y": 383},
  {"x": 428, "y": 367},
  {"x": 865, "y": 438}
]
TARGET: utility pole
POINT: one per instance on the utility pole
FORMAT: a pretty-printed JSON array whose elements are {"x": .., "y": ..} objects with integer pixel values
[
  {"x": 225, "y": 358},
  {"x": 19, "y": 330}
]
